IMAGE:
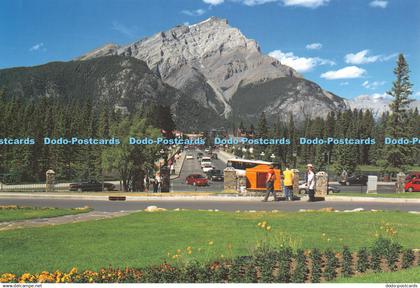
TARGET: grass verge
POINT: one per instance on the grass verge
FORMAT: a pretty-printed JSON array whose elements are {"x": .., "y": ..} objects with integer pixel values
[
  {"x": 14, "y": 213},
  {"x": 142, "y": 239}
]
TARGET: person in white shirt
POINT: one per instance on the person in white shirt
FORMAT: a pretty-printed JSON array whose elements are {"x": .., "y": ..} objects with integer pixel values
[{"x": 310, "y": 182}]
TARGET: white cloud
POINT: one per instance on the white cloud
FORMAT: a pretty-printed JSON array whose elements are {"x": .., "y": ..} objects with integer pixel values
[
  {"x": 38, "y": 47},
  {"x": 302, "y": 3},
  {"x": 300, "y": 64},
  {"x": 197, "y": 12},
  {"x": 314, "y": 46},
  {"x": 127, "y": 31},
  {"x": 362, "y": 57},
  {"x": 373, "y": 85},
  {"x": 305, "y": 3},
  {"x": 213, "y": 2},
  {"x": 379, "y": 3},
  {"x": 349, "y": 72},
  {"x": 344, "y": 83}
]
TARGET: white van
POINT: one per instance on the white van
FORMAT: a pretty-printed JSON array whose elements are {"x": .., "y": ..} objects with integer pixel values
[{"x": 205, "y": 161}]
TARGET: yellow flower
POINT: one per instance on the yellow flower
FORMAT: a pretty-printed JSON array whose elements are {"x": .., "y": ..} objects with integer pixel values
[
  {"x": 259, "y": 224},
  {"x": 211, "y": 243},
  {"x": 328, "y": 239},
  {"x": 222, "y": 256},
  {"x": 189, "y": 252},
  {"x": 323, "y": 234},
  {"x": 189, "y": 248},
  {"x": 268, "y": 228},
  {"x": 178, "y": 251}
]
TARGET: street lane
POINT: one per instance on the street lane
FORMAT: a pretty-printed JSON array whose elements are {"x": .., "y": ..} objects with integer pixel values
[
  {"x": 193, "y": 167},
  {"x": 111, "y": 206}
]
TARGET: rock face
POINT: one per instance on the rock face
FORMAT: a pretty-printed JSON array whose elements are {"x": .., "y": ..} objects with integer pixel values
[
  {"x": 124, "y": 82},
  {"x": 216, "y": 65}
]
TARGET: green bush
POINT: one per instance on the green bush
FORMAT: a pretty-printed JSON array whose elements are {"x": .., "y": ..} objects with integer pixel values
[
  {"x": 300, "y": 273},
  {"x": 347, "y": 262},
  {"x": 408, "y": 258},
  {"x": 285, "y": 262},
  {"x": 331, "y": 265},
  {"x": 362, "y": 260},
  {"x": 316, "y": 268}
]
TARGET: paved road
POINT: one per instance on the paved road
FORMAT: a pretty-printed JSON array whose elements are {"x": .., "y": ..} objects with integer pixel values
[
  {"x": 102, "y": 205},
  {"x": 193, "y": 167}
]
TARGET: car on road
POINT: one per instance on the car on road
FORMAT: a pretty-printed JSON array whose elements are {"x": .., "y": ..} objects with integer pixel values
[
  {"x": 199, "y": 155},
  {"x": 413, "y": 185},
  {"x": 355, "y": 180},
  {"x": 92, "y": 185},
  {"x": 303, "y": 189},
  {"x": 196, "y": 180},
  {"x": 189, "y": 157},
  {"x": 215, "y": 175},
  {"x": 205, "y": 161},
  {"x": 207, "y": 168}
]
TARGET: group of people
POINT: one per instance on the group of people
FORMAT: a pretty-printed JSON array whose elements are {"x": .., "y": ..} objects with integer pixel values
[
  {"x": 287, "y": 183},
  {"x": 156, "y": 183}
]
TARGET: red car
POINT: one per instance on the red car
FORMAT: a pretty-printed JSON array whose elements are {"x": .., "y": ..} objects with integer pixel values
[
  {"x": 196, "y": 180},
  {"x": 413, "y": 185},
  {"x": 412, "y": 175}
]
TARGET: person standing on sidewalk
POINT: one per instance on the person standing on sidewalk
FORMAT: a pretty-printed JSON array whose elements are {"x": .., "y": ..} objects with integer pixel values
[
  {"x": 310, "y": 182},
  {"x": 288, "y": 177},
  {"x": 269, "y": 183}
]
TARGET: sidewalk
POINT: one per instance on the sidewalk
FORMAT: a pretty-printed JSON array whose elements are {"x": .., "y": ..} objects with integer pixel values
[
  {"x": 178, "y": 166},
  {"x": 29, "y": 223},
  {"x": 190, "y": 196}
]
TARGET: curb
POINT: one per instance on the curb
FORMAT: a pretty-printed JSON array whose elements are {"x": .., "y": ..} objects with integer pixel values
[{"x": 193, "y": 198}]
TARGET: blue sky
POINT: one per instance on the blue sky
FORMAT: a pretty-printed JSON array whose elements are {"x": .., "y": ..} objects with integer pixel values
[{"x": 349, "y": 47}]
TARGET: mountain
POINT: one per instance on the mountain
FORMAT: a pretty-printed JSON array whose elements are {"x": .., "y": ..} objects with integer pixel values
[
  {"x": 377, "y": 103},
  {"x": 221, "y": 69},
  {"x": 126, "y": 83}
]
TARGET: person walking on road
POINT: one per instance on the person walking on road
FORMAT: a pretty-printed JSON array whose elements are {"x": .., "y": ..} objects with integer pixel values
[
  {"x": 288, "y": 177},
  {"x": 310, "y": 182},
  {"x": 269, "y": 183}
]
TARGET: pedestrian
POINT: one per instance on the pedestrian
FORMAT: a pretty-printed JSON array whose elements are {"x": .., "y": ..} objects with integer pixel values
[
  {"x": 310, "y": 182},
  {"x": 172, "y": 169},
  {"x": 269, "y": 183},
  {"x": 155, "y": 184},
  {"x": 146, "y": 183},
  {"x": 288, "y": 177},
  {"x": 158, "y": 181}
]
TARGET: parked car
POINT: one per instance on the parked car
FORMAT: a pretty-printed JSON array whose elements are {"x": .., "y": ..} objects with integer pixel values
[
  {"x": 199, "y": 155},
  {"x": 413, "y": 185},
  {"x": 411, "y": 175},
  {"x": 214, "y": 156},
  {"x": 91, "y": 185},
  {"x": 207, "y": 167},
  {"x": 189, "y": 157},
  {"x": 355, "y": 180},
  {"x": 196, "y": 180},
  {"x": 215, "y": 175},
  {"x": 303, "y": 189}
]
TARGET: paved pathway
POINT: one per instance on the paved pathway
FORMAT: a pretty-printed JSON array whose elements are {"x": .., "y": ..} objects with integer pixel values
[{"x": 94, "y": 215}]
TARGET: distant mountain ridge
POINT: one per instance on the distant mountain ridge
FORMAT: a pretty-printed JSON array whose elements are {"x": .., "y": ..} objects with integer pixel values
[{"x": 216, "y": 65}]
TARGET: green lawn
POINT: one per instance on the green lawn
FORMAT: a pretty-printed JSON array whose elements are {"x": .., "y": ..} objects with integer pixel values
[
  {"x": 404, "y": 276},
  {"x": 21, "y": 213},
  {"x": 391, "y": 195},
  {"x": 142, "y": 239}
]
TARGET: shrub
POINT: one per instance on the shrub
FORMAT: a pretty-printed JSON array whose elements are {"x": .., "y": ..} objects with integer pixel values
[
  {"x": 331, "y": 266},
  {"x": 362, "y": 260},
  {"x": 249, "y": 270},
  {"x": 347, "y": 262},
  {"x": 392, "y": 255},
  {"x": 265, "y": 260},
  {"x": 300, "y": 273},
  {"x": 408, "y": 258},
  {"x": 285, "y": 261},
  {"x": 316, "y": 266}
]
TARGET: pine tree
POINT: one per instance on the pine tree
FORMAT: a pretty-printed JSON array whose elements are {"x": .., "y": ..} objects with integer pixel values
[{"x": 396, "y": 157}]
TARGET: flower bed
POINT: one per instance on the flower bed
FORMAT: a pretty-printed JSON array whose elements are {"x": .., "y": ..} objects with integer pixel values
[{"x": 265, "y": 265}]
